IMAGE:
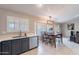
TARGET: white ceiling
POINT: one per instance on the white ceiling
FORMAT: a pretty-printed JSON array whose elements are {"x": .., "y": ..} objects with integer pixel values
[{"x": 61, "y": 13}]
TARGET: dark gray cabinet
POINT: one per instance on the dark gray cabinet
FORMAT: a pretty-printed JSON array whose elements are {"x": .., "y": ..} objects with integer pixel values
[
  {"x": 25, "y": 44},
  {"x": 20, "y": 45},
  {"x": 6, "y": 47},
  {"x": 16, "y": 46},
  {"x": 0, "y": 48}
]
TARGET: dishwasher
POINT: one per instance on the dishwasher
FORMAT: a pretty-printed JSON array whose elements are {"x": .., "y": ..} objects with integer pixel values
[{"x": 33, "y": 42}]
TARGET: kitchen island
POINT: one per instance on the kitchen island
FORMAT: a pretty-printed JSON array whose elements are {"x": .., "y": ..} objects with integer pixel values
[{"x": 18, "y": 45}]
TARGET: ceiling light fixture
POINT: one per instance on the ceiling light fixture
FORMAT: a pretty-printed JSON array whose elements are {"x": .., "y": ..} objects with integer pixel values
[
  {"x": 50, "y": 17},
  {"x": 39, "y": 5}
]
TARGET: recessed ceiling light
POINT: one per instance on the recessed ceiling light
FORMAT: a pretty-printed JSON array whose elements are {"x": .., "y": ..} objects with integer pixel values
[{"x": 39, "y": 5}]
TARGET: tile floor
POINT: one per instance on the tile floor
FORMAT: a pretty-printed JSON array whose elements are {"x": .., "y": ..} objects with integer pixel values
[{"x": 67, "y": 48}]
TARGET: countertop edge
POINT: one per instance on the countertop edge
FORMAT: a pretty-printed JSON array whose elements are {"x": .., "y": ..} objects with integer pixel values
[{"x": 10, "y": 38}]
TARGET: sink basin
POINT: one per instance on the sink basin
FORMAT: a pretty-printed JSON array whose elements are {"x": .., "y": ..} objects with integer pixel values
[
  {"x": 16, "y": 36},
  {"x": 19, "y": 36}
]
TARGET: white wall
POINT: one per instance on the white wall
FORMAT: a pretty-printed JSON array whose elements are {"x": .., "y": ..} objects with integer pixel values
[{"x": 65, "y": 31}]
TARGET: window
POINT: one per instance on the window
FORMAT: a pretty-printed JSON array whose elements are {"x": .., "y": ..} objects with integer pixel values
[
  {"x": 17, "y": 24},
  {"x": 24, "y": 25},
  {"x": 10, "y": 24}
]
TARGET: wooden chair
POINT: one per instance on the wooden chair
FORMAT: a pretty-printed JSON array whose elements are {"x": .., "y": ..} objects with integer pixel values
[{"x": 52, "y": 40}]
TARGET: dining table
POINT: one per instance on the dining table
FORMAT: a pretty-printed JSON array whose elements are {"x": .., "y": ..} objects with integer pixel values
[{"x": 53, "y": 37}]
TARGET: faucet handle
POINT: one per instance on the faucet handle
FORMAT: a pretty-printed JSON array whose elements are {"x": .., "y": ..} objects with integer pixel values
[{"x": 25, "y": 34}]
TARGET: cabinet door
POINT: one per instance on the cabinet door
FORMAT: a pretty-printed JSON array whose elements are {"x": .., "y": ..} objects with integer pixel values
[
  {"x": 33, "y": 42},
  {"x": 16, "y": 46},
  {"x": 6, "y": 48},
  {"x": 0, "y": 48},
  {"x": 25, "y": 44}
]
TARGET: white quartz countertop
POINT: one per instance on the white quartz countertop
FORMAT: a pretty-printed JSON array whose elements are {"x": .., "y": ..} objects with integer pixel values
[{"x": 11, "y": 38}]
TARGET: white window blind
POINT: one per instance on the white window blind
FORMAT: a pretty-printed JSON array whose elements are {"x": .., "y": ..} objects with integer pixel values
[{"x": 16, "y": 24}]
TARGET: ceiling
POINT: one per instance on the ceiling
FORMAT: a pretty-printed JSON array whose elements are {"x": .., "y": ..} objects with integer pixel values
[{"x": 60, "y": 12}]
